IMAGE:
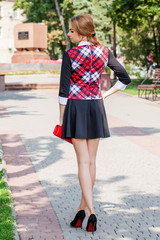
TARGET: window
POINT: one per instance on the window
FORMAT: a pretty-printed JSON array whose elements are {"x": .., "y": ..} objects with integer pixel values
[
  {"x": 16, "y": 14},
  {"x": 0, "y": 32}
]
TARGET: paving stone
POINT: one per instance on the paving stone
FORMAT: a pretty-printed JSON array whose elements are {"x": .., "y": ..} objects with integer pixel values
[{"x": 126, "y": 193}]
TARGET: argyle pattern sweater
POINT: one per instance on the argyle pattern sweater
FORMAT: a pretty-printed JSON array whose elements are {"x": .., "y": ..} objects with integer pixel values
[
  {"x": 81, "y": 72},
  {"x": 88, "y": 63}
]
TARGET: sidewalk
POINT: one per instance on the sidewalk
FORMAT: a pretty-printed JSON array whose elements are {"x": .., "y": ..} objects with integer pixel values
[{"x": 42, "y": 170}]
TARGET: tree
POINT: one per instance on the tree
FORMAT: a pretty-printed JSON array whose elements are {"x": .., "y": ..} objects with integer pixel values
[
  {"x": 56, "y": 14},
  {"x": 63, "y": 24},
  {"x": 48, "y": 12},
  {"x": 140, "y": 23}
]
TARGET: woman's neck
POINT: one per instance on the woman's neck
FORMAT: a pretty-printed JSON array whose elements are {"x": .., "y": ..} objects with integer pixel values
[
  {"x": 84, "y": 39},
  {"x": 84, "y": 43}
]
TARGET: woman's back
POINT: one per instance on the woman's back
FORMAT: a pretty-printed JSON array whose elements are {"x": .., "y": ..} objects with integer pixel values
[{"x": 87, "y": 64}]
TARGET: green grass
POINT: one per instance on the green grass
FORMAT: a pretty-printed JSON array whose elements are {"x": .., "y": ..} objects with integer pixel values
[
  {"x": 132, "y": 87},
  {"x": 29, "y": 72},
  {"x": 6, "y": 219}
]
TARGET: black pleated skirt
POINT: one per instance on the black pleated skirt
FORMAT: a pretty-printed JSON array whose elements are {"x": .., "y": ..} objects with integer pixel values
[{"x": 85, "y": 119}]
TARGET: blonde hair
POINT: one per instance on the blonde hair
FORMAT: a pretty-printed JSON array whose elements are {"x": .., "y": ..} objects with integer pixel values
[{"x": 84, "y": 25}]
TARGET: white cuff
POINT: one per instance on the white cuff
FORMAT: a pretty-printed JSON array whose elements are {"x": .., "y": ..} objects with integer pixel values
[
  {"x": 120, "y": 85},
  {"x": 62, "y": 100}
]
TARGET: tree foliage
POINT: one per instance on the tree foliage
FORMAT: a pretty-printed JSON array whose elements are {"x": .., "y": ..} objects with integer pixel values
[
  {"x": 45, "y": 11},
  {"x": 140, "y": 22},
  {"x": 98, "y": 10}
]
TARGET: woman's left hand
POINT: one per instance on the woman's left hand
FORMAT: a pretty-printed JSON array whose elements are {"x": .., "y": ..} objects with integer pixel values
[{"x": 109, "y": 92}]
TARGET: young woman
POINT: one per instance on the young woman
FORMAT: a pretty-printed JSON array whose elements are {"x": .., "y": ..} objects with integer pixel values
[{"x": 82, "y": 110}]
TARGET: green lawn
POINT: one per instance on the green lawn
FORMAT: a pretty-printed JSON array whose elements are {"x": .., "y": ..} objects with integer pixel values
[
  {"x": 29, "y": 72},
  {"x": 132, "y": 87},
  {"x": 6, "y": 219}
]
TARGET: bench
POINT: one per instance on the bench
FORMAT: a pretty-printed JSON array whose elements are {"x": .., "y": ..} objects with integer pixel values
[
  {"x": 148, "y": 89},
  {"x": 157, "y": 77}
]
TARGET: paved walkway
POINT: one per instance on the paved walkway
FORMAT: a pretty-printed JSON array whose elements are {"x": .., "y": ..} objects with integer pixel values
[{"x": 42, "y": 170}]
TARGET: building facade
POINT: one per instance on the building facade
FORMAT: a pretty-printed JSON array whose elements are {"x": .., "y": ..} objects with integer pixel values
[{"x": 8, "y": 19}]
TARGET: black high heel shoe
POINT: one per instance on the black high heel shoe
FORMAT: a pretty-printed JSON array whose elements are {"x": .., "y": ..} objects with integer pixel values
[
  {"x": 92, "y": 224},
  {"x": 78, "y": 220}
]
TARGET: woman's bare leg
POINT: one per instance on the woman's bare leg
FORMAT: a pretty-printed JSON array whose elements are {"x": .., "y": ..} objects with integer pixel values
[
  {"x": 81, "y": 149},
  {"x": 86, "y": 151},
  {"x": 92, "y": 149}
]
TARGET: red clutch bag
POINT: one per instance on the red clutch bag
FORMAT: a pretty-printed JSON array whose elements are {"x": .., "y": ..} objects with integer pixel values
[{"x": 58, "y": 133}]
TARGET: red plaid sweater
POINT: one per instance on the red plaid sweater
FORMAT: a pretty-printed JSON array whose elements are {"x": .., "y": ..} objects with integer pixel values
[{"x": 81, "y": 71}]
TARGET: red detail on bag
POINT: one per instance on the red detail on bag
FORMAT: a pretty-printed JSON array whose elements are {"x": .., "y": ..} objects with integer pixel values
[{"x": 58, "y": 133}]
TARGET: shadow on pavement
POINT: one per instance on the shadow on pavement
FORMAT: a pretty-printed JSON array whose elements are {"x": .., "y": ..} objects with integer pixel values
[
  {"x": 44, "y": 150},
  {"x": 135, "y": 217},
  {"x": 133, "y": 131},
  {"x": 17, "y": 95}
]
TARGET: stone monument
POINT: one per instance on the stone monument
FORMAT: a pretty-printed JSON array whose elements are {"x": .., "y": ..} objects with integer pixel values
[{"x": 30, "y": 40}]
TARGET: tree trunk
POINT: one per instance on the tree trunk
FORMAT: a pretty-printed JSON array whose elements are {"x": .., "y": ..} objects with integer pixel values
[
  {"x": 52, "y": 53},
  {"x": 62, "y": 47},
  {"x": 158, "y": 36},
  {"x": 155, "y": 44},
  {"x": 114, "y": 44},
  {"x": 114, "y": 40},
  {"x": 63, "y": 24}
]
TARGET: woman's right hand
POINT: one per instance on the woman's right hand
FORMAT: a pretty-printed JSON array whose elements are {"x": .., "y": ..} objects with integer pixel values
[
  {"x": 61, "y": 113},
  {"x": 60, "y": 121}
]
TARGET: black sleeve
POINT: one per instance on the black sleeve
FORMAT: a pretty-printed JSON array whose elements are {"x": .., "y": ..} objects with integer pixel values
[
  {"x": 118, "y": 69},
  {"x": 65, "y": 76}
]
